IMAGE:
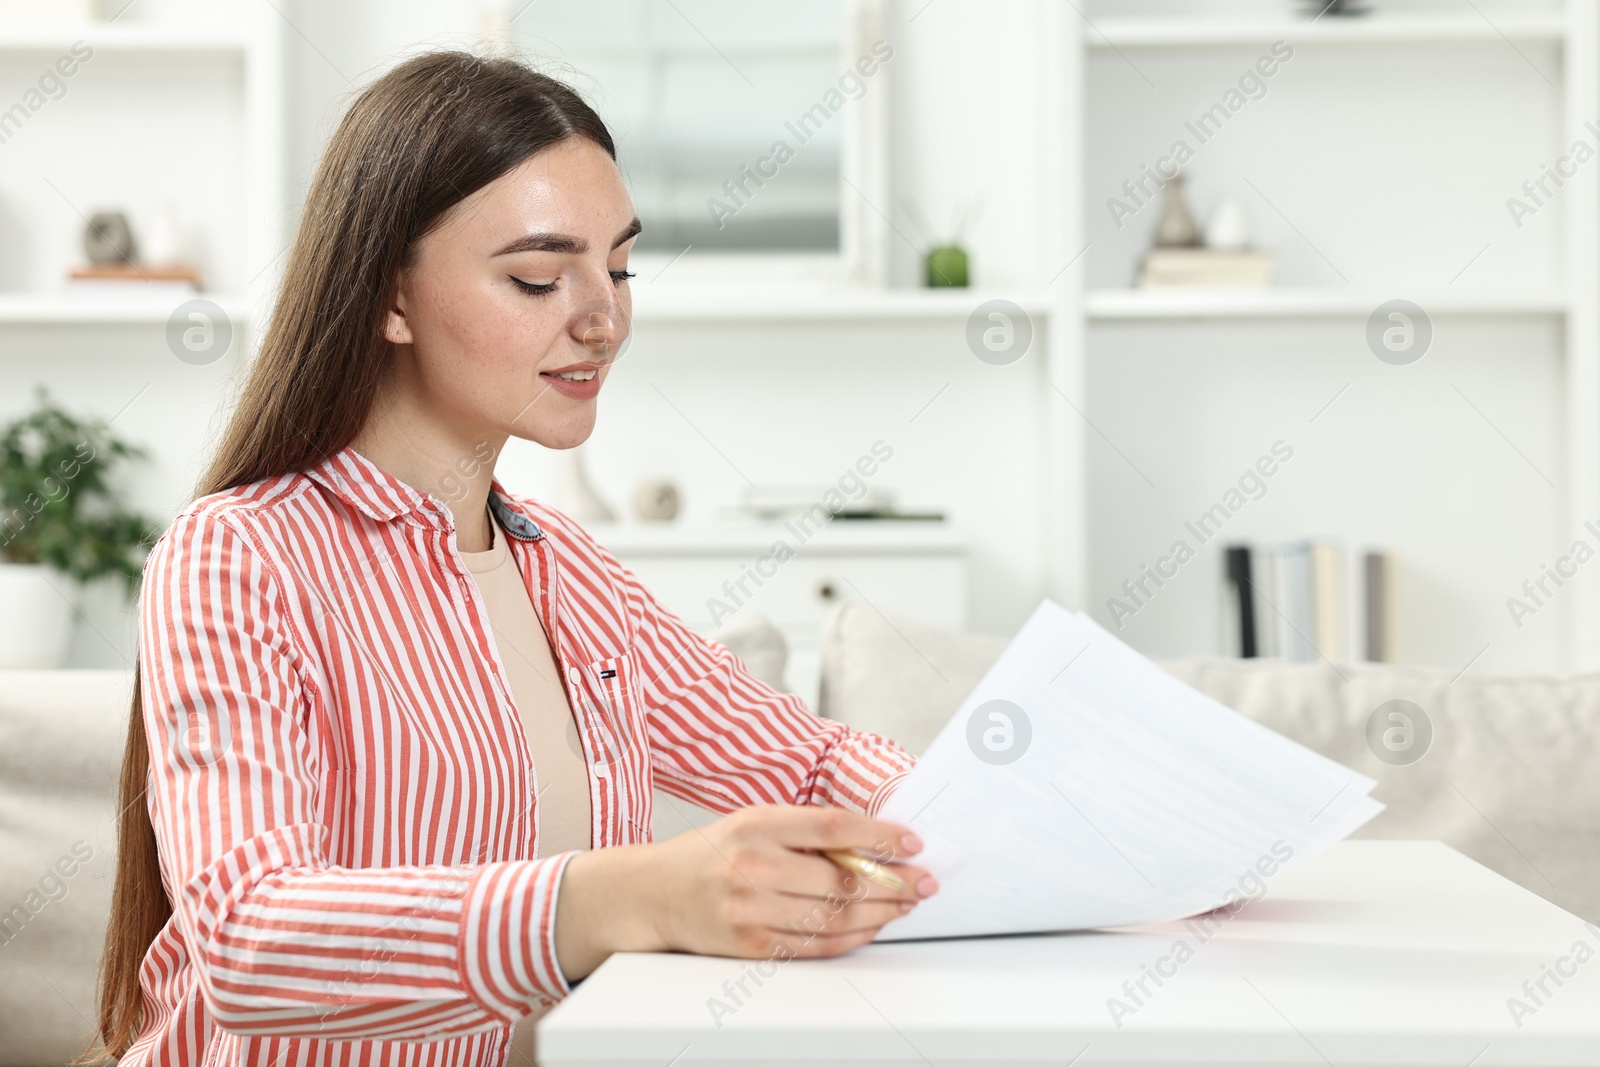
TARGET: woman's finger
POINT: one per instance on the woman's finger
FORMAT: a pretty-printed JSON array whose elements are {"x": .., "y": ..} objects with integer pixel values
[
  {"x": 828, "y": 945},
  {"x": 818, "y": 829},
  {"x": 872, "y": 915},
  {"x": 823, "y": 879},
  {"x": 808, "y": 917}
]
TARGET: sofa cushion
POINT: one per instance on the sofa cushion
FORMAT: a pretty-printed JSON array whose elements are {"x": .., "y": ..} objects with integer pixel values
[
  {"x": 896, "y": 676},
  {"x": 61, "y": 741},
  {"x": 1506, "y": 778}
]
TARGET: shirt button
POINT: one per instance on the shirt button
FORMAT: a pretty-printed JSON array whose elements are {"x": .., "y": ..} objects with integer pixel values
[{"x": 574, "y": 675}]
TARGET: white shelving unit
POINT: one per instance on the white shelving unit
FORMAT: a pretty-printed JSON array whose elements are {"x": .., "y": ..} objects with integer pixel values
[
  {"x": 1109, "y": 304},
  {"x": 180, "y": 103},
  {"x": 115, "y": 37},
  {"x": 700, "y": 305},
  {"x": 755, "y": 538},
  {"x": 69, "y": 310},
  {"x": 1526, "y": 313},
  {"x": 250, "y": 44},
  {"x": 1184, "y": 32}
]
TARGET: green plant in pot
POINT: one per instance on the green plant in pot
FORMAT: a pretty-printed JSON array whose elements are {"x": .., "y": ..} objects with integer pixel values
[
  {"x": 945, "y": 263},
  {"x": 62, "y": 522},
  {"x": 945, "y": 267}
]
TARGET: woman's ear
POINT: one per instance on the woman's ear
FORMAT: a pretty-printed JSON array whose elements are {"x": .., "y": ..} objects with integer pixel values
[{"x": 396, "y": 330}]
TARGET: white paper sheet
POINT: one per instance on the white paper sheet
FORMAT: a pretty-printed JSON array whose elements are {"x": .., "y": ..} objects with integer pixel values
[{"x": 1105, "y": 792}]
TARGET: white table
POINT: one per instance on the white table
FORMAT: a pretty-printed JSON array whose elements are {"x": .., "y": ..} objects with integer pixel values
[{"x": 1377, "y": 952}]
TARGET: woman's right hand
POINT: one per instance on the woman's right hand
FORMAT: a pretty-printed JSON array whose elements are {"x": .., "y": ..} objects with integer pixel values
[{"x": 752, "y": 884}]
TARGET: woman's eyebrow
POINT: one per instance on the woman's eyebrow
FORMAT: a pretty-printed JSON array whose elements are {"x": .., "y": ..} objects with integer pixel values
[
  {"x": 562, "y": 242},
  {"x": 628, "y": 231}
]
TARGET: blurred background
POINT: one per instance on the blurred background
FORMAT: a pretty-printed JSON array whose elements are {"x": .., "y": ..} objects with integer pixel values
[{"x": 1335, "y": 394}]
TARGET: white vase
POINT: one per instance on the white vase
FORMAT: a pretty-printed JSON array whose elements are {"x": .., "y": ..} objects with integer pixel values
[
  {"x": 162, "y": 240},
  {"x": 35, "y": 616},
  {"x": 1228, "y": 228}
]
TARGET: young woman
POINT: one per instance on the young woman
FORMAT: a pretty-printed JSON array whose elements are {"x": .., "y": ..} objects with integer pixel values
[{"x": 388, "y": 781}]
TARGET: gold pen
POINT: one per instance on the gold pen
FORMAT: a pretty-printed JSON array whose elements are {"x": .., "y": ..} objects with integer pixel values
[{"x": 870, "y": 869}]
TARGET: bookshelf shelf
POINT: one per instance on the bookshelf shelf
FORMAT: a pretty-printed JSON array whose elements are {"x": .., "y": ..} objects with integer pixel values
[
  {"x": 123, "y": 38},
  {"x": 1106, "y": 34},
  {"x": 720, "y": 304},
  {"x": 27, "y": 309},
  {"x": 1190, "y": 304},
  {"x": 755, "y": 536}
]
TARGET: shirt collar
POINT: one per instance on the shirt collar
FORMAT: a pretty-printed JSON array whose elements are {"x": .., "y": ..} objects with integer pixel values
[{"x": 381, "y": 496}]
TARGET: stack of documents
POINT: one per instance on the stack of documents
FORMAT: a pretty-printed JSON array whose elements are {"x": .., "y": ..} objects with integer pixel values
[{"x": 1081, "y": 786}]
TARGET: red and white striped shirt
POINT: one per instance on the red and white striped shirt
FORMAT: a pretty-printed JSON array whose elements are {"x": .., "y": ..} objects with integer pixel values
[{"x": 341, "y": 785}]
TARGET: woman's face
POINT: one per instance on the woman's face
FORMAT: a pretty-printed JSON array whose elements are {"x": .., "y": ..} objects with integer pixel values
[{"x": 516, "y": 304}]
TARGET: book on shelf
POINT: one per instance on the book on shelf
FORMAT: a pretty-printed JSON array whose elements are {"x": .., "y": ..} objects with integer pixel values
[
  {"x": 1309, "y": 600},
  {"x": 1240, "y": 580},
  {"x": 1176, "y": 268},
  {"x": 1377, "y": 584}
]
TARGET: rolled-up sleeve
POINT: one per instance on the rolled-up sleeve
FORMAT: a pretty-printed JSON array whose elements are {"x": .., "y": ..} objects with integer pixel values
[{"x": 283, "y": 940}]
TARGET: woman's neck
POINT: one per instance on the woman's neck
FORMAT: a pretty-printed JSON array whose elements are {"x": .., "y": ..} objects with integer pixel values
[{"x": 454, "y": 467}]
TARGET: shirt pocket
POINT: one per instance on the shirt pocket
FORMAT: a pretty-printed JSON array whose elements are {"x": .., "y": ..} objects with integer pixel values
[{"x": 609, "y": 713}]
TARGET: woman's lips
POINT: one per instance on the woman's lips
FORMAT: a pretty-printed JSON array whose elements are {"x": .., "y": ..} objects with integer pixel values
[{"x": 572, "y": 388}]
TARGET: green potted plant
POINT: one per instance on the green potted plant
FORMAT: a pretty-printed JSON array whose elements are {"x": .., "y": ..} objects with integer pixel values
[
  {"x": 945, "y": 262},
  {"x": 62, "y": 522}
]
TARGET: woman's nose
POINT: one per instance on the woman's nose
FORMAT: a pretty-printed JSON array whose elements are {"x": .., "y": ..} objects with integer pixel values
[{"x": 601, "y": 326}]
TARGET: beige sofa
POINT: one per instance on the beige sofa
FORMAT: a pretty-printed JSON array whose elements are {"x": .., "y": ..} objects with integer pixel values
[
  {"x": 61, "y": 738},
  {"x": 1507, "y": 779}
]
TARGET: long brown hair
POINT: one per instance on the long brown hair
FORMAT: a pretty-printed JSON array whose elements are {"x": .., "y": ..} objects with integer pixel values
[{"x": 415, "y": 143}]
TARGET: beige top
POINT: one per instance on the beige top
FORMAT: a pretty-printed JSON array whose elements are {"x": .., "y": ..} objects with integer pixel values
[{"x": 562, "y": 776}]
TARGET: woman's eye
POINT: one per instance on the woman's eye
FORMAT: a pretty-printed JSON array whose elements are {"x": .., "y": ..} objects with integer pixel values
[
  {"x": 545, "y": 288},
  {"x": 533, "y": 288}
]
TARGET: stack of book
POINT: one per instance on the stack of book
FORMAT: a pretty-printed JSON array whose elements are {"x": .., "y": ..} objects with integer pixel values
[
  {"x": 1166, "y": 268},
  {"x": 1307, "y": 601}
]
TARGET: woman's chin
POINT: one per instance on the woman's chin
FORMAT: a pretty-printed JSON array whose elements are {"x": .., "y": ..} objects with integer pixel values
[{"x": 568, "y": 433}]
